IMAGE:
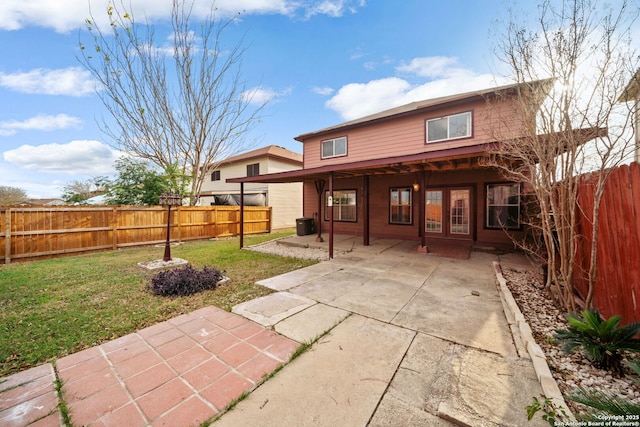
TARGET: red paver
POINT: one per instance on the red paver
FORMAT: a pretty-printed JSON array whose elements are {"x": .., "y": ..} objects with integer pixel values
[
  {"x": 257, "y": 367},
  {"x": 147, "y": 380},
  {"x": 189, "y": 359},
  {"x": 238, "y": 354},
  {"x": 204, "y": 375},
  {"x": 198, "y": 411},
  {"x": 221, "y": 342},
  {"x": 175, "y": 347},
  {"x": 137, "y": 364},
  {"x": 78, "y": 389},
  {"x": 94, "y": 407},
  {"x": 163, "y": 398},
  {"x": 226, "y": 390},
  {"x": 177, "y": 373}
]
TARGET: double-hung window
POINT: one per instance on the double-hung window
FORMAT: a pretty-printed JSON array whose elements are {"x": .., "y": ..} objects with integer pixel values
[
  {"x": 335, "y": 147},
  {"x": 450, "y": 127},
  {"x": 503, "y": 206},
  {"x": 253, "y": 169},
  {"x": 215, "y": 176},
  {"x": 400, "y": 209},
  {"x": 344, "y": 205}
]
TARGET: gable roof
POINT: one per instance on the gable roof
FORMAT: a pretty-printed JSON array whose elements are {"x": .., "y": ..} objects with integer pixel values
[
  {"x": 428, "y": 105},
  {"x": 274, "y": 151}
]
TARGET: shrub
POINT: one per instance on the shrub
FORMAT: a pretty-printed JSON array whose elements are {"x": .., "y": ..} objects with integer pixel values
[
  {"x": 185, "y": 281},
  {"x": 603, "y": 341}
]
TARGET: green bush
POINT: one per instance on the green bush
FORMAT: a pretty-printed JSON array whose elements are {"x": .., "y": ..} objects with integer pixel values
[{"x": 603, "y": 341}]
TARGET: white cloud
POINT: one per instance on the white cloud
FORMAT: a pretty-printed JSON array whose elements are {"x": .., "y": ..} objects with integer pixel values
[
  {"x": 41, "y": 122},
  {"x": 260, "y": 95},
  {"x": 431, "y": 67},
  {"x": 356, "y": 100},
  {"x": 324, "y": 90},
  {"x": 68, "y": 15},
  {"x": 73, "y": 158},
  {"x": 334, "y": 8},
  {"x": 71, "y": 81}
]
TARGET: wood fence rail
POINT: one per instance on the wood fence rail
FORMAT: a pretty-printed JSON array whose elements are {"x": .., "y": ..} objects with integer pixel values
[
  {"x": 31, "y": 233},
  {"x": 617, "y": 289}
]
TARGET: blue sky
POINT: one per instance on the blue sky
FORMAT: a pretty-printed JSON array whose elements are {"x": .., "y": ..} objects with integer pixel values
[{"x": 321, "y": 62}]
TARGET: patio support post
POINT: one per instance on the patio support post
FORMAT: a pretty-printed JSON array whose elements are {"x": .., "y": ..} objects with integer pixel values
[
  {"x": 319, "y": 188},
  {"x": 330, "y": 215},
  {"x": 365, "y": 222},
  {"x": 422, "y": 213},
  {"x": 241, "y": 215}
]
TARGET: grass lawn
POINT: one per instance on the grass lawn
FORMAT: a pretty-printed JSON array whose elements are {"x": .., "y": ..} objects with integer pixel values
[{"x": 52, "y": 308}]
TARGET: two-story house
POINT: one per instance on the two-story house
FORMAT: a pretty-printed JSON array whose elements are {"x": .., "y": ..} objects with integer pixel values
[
  {"x": 416, "y": 172},
  {"x": 285, "y": 199}
]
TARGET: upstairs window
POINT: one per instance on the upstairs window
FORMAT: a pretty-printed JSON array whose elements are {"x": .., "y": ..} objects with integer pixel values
[
  {"x": 215, "y": 176},
  {"x": 335, "y": 147},
  {"x": 253, "y": 169},
  {"x": 449, "y": 127}
]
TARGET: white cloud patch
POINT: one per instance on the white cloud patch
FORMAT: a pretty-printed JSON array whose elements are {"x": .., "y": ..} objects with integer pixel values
[
  {"x": 324, "y": 90},
  {"x": 333, "y": 8},
  {"x": 40, "y": 122},
  {"x": 71, "y": 81},
  {"x": 260, "y": 95},
  {"x": 69, "y": 15},
  {"x": 73, "y": 158},
  {"x": 356, "y": 100}
]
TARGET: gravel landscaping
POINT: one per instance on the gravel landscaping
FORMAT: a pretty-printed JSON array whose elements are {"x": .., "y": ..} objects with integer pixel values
[{"x": 569, "y": 370}]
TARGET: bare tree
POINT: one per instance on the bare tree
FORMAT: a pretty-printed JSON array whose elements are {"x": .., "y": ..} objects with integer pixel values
[
  {"x": 12, "y": 195},
  {"x": 80, "y": 191},
  {"x": 585, "y": 48},
  {"x": 181, "y": 107}
]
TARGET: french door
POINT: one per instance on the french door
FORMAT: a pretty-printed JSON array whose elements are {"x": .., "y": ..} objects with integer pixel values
[{"x": 448, "y": 212}]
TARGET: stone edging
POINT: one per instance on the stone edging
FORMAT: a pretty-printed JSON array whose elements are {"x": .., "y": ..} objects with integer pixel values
[{"x": 547, "y": 382}]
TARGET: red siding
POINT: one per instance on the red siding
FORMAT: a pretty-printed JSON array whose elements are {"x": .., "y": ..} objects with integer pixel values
[
  {"x": 406, "y": 135},
  {"x": 379, "y": 186}
]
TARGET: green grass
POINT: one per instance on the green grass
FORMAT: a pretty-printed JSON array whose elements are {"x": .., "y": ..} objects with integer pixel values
[{"x": 52, "y": 308}]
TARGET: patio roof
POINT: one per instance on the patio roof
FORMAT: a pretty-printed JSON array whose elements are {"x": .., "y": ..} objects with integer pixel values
[{"x": 451, "y": 159}]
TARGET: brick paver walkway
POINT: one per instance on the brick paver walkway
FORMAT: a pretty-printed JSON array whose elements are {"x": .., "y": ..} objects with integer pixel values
[{"x": 177, "y": 373}]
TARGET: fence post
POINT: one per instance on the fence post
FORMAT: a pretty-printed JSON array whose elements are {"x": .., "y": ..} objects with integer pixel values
[
  {"x": 7, "y": 238},
  {"x": 179, "y": 217},
  {"x": 114, "y": 226}
]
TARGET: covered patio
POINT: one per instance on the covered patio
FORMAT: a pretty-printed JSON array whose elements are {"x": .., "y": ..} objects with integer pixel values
[{"x": 420, "y": 170}]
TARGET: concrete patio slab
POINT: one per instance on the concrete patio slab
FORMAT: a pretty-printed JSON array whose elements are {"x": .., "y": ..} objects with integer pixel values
[
  {"x": 445, "y": 307},
  {"x": 286, "y": 281},
  {"x": 311, "y": 323},
  {"x": 380, "y": 298},
  {"x": 340, "y": 379},
  {"x": 459, "y": 385},
  {"x": 271, "y": 309},
  {"x": 327, "y": 288}
]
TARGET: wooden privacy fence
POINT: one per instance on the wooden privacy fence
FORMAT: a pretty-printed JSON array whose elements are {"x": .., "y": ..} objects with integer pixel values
[
  {"x": 617, "y": 289},
  {"x": 32, "y": 233}
]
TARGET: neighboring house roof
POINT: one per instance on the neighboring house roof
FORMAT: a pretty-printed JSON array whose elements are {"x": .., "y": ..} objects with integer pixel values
[
  {"x": 273, "y": 151},
  {"x": 632, "y": 91},
  {"x": 423, "y": 106},
  {"x": 42, "y": 202}
]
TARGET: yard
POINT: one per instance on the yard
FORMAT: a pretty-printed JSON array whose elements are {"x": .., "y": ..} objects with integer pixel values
[{"x": 52, "y": 308}]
